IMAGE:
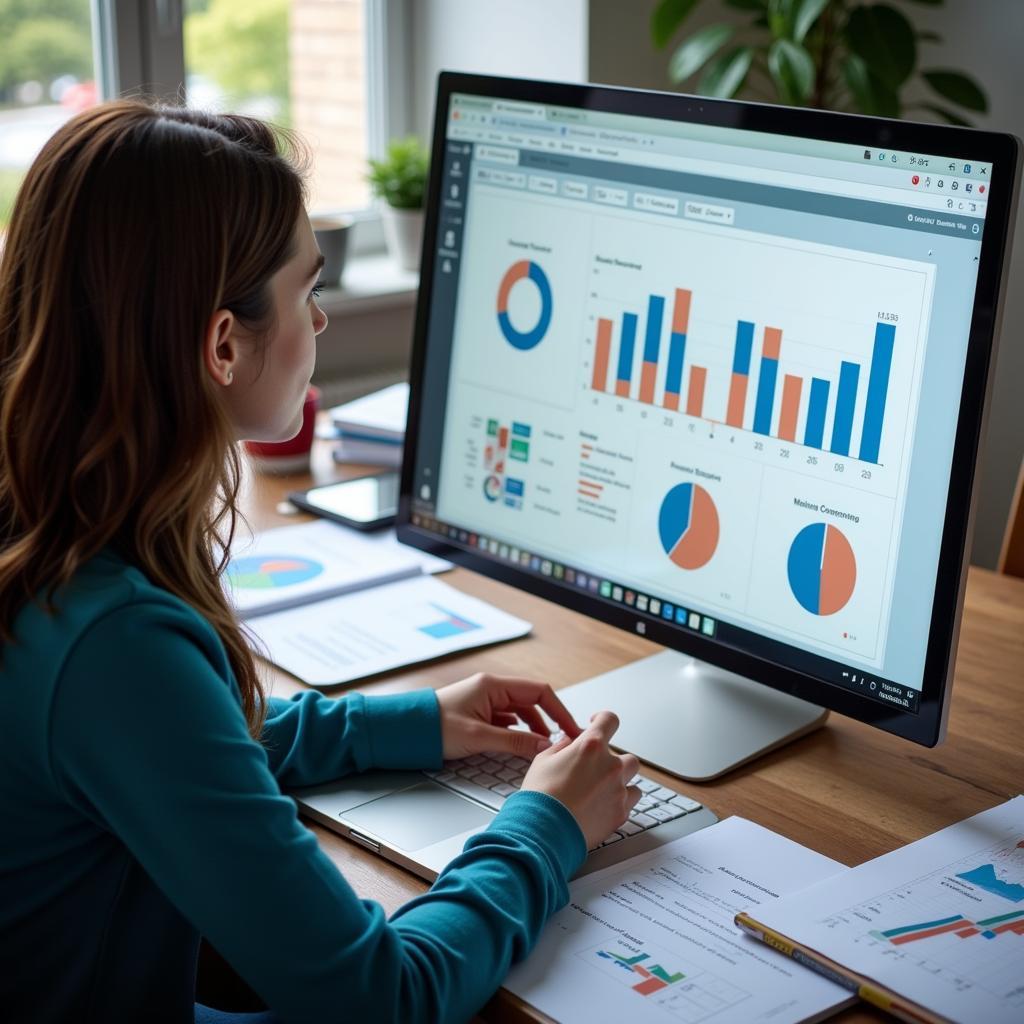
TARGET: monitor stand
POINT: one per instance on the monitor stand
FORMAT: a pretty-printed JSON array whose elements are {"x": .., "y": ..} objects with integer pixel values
[{"x": 690, "y": 718}]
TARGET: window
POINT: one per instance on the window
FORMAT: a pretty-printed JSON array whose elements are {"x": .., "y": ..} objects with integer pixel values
[
  {"x": 317, "y": 66},
  {"x": 300, "y": 63},
  {"x": 46, "y": 76}
]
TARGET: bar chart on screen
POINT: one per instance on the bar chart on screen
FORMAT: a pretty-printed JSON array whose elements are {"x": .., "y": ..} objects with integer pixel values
[{"x": 823, "y": 354}]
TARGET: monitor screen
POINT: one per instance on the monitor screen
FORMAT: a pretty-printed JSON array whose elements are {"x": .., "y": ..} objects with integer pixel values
[{"x": 706, "y": 374}]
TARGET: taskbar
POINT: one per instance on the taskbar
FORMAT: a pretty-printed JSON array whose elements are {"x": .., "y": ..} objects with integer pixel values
[{"x": 849, "y": 678}]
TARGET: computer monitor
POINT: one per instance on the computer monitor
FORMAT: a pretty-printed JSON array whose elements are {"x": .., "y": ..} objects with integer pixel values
[{"x": 715, "y": 373}]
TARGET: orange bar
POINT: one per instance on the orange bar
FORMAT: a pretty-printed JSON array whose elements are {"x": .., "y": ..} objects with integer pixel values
[
  {"x": 681, "y": 311},
  {"x": 695, "y": 396},
  {"x": 671, "y": 401},
  {"x": 737, "y": 400},
  {"x": 772, "y": 343},
  {"x": 967, "y": 933},
  {"x": 502, "y": 438},
  {"x": 899, "y": 940},
  {"x": 652, "y": 984},
  {"x": 622, "y": 388},
  {"x": 647, "y": 374},
  {"x": 591, "y": 483},
  {"x": 604, "y": 344},
  {"x": 791, "y": 388}
]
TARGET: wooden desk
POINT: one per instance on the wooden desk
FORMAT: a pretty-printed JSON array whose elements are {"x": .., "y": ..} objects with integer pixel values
[{"x": 848, "y": 791}]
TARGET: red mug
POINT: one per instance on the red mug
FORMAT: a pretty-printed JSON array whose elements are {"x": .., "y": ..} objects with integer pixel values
[{"x": 289, "y": 456}]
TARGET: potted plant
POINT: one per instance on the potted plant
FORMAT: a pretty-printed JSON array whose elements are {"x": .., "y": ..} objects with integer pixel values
[
  {"x": 400, "y": 179},
  {"x": 832, "y": 54}
]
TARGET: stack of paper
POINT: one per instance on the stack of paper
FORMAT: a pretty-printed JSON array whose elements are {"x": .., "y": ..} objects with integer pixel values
[
  {"x": 371, "y": 430},
  {"x": 330, "y": 605}
]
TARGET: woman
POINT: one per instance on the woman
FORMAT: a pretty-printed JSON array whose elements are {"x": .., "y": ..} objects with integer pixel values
[{"x": 157, "y": 303}]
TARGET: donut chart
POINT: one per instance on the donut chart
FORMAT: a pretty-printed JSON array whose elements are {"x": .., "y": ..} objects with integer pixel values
[
  {"x": 492, "y": 487},
  {"x": 822, "y": 569},
  {"x": 519, "y": 271},
  {"x": 688, "y": 526},
  {"x": 257, "y": 573}
]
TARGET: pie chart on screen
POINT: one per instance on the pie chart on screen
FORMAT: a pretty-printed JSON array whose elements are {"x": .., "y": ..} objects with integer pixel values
[
  {"x": 822, "y": 569},
  {"x": 255, "y": 573},
  {"x": 688, "y": 526}
]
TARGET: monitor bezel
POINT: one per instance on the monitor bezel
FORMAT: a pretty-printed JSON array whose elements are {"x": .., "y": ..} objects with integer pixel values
[{"x": 1002, "y": 151}]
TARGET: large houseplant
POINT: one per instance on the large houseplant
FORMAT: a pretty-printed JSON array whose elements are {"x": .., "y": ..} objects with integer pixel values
[
  {"x": 400, "y": 180},
  {"x": 832, "y": 54}
]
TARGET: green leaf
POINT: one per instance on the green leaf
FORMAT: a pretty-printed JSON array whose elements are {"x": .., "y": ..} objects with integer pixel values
[
  {"x": 870, "y": 94},
  {"x": 805, "y": 14},
  {"x": 945, "y": 113},
  {"x": 954, "y": 86},
  {"x": 726, "y": 76},
  {"x": 667, "y": 17},
  {"x": 792, "y": 68},
  {"x": 883, "y": 38},
  {"x": 696, "y": 51}
]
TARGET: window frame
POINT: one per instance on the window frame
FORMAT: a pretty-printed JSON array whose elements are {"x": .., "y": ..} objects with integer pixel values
[{"x": 139, "y": 49}]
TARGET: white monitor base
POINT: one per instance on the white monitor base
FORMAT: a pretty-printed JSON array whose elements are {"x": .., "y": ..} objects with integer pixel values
[{"x": 690, "y": 718}]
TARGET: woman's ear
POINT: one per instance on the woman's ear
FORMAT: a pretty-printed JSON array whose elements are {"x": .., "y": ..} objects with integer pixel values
[{"x": 220, "y": 348}]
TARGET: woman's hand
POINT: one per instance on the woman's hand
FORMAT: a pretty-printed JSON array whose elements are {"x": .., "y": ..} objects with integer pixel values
[
  {"x": 476, "y": 714},
  {"x": 589, "y": 778}
]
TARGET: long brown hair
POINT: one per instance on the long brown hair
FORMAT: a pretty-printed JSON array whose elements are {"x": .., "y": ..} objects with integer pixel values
[{"x": 134, "y": 224}]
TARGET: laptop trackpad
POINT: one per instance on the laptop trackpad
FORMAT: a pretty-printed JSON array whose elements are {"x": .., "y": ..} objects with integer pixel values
[{"x": 418, "y": 817}]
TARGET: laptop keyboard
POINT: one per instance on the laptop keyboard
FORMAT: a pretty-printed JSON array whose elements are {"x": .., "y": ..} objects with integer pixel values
[{"x": 491, "y": 779}]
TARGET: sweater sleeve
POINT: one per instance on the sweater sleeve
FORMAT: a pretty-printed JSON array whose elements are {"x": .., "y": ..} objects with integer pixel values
[
  {"x": 312, "y": 739},
  {"x": 149, "y": 741}
]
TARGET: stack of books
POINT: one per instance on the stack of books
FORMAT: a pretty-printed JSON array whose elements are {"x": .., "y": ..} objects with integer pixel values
[{"x": 371, "y": 430}]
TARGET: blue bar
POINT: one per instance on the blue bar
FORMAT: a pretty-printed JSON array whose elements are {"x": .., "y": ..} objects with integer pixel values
[
  {"x": 765, "y": 396},
  {"x": 744, "y": 346},
  {"x": 626, "y": 347},
  {"x": 676, "y": 352},
  {"x": 655, "y": 311},
  {"x": 842, "y": 428},
  {"x": 878, "y": 388},
  {"x": 817, "y": 406}
]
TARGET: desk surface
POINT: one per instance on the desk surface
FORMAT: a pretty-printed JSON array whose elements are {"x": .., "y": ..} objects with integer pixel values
[{"x": 848, "y": 791}]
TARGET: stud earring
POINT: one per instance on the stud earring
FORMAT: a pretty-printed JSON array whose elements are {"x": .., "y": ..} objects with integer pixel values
[{"x": 231, "y": 376}]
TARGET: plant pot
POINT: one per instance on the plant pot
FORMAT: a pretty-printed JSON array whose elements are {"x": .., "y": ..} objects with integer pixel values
[{"x": 403, "y": 232}]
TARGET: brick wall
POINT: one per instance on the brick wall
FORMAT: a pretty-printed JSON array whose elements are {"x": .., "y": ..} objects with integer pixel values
[{"x": 328, "y": 98}]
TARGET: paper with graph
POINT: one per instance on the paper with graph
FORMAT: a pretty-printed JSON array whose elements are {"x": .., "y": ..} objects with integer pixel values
[
  {"x": 653, "y": 938},
  {"x": 941, "y": 922},
  {"x": 386, "y": 627}
]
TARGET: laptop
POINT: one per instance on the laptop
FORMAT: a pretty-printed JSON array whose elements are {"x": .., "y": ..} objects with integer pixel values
[{"x": 421, "y": 820}]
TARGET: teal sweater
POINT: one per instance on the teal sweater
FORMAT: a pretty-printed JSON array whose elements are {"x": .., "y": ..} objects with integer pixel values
[{"x": 137, "y": 814}]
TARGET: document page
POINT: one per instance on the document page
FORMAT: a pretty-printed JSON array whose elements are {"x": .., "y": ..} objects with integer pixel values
[
  {"x": 653, "y": 938},
  {"x": 291, "y": 565},
  {"x": 347, "y": 638},
  {"x": 940, "y": 922}
]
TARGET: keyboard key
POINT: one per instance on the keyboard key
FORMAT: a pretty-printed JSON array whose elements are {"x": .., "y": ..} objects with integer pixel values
[
  {"x": 518, "y": 762},
  {"x": 644, "y": 802},
  {"x": 643, "y": 820},
  {"x": 501, "y": 756},
  {"x": 491, "y": 767},
  {"x": 688, "y": 804},
  {"x": 666, "y": 812},
  {"x": 444, "y": 776},
  {"x": 647, "y": 785},
  {"x": 483, "y": 779},
  {"x": 509, "y": 775},
  {"x": 476, "y": 760},
  {"x": 467, "y": 771},
  {"x": 661, "y": 793},
  {"x": 613, "y": 838},
  {"x": 630, "y": 828},
  {"x": 504, "y": 789}
]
